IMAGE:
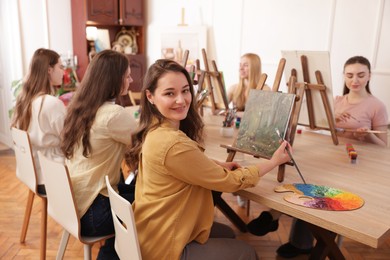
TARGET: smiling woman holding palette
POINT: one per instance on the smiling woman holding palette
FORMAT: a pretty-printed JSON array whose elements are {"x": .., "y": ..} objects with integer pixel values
[{"x": 361, "y": 115}]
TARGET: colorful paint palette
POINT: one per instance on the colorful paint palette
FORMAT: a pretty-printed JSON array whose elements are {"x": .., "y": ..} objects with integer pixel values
[{"x": 320, "y": 197}]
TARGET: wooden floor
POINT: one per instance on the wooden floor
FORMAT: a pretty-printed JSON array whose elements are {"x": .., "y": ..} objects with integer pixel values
[{"x": 13, "y": 197}]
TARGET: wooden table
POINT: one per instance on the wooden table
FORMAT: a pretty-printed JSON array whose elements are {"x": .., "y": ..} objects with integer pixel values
[{"x": 323, "y": 163}]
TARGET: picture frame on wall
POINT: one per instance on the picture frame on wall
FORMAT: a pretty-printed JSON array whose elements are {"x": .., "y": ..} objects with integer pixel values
[{"x": 102, "y": 41}]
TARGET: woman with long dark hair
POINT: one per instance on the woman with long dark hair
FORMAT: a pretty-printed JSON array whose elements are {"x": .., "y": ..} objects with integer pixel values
[
  {"x": 173, "y": 205},
  {"x": 96, "y": 132}
]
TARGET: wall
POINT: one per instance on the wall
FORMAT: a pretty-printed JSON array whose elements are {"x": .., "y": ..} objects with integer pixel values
[{"x": 342, "y": 27}]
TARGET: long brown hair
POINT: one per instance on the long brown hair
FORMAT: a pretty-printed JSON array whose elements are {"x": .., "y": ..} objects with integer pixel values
[
  {"x": 192, "y": 125},
  {"x": 102, "y": 82},
  {"x": 37, "y": 83},
  {"x": 361, "y": 60}
]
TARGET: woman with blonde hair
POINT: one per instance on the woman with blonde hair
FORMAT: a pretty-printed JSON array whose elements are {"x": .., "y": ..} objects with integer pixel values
[{"x": 250, "y": 72}]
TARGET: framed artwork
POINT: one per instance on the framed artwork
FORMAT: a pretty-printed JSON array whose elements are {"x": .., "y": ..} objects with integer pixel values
[
  {"x": 317, "y": 60},
  {"x": 102, "y": 41},
  {"x": 265, "y": 111},
  {"x": 175, "y": 40}
]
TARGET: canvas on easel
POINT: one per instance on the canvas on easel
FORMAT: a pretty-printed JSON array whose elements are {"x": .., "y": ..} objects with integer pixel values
[
  {"x": 265, "y": 111},
  {"x": 308, "y": 67},
  {"x": 286, "y": 124}
]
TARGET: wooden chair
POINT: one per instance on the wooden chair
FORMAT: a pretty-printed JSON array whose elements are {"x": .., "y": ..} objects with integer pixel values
[
  {"x": 62, "y": 205},
  {"x": 135, "y": 97},
  {"x": 26, "y": 173},
  {"x": 126, "y": 239}
]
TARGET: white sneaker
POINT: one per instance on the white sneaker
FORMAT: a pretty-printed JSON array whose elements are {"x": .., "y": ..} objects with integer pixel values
[{"x": 241, "y": 201}]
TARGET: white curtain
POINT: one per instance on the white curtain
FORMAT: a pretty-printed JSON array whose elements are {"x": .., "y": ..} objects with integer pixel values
[{"x": 11, "y": 63}]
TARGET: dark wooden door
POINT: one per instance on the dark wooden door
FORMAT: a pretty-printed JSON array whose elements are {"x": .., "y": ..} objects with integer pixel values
[{"x": 132, "y": 12}]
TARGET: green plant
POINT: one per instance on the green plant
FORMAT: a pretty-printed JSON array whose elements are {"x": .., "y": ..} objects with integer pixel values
[{"x": 16, "y": 87}]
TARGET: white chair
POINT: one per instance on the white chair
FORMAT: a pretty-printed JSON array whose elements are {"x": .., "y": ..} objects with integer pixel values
[
  {"x": 126, "y": 239},
  {"x": 62, "y": 205},
  {"x": 26, "y": 173}
]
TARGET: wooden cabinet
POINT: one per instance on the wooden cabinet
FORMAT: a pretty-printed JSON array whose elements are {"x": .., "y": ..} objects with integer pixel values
[
  {"x": 103, "y": 11},
  {"x": 112, "y": 15},
  {"x": 115, "y": 12}
]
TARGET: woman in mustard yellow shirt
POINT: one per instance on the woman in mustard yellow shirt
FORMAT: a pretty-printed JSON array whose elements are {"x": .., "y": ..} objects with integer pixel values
[{"x": 173, "y": 205}]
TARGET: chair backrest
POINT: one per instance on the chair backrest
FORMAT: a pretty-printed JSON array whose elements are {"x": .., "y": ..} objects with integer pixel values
[
  {"x": 135, "y": 97},
  {"x": 126, "y": 239},
  {"x": 25, "y": 170},
  {"x": 61, "y": 203}
]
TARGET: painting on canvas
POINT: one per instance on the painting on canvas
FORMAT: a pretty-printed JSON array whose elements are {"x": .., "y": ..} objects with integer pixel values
[{"x": 265, "y": 111}]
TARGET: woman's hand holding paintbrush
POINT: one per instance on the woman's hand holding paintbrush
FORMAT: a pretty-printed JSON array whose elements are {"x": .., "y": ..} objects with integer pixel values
[
  {"x": 345, "y": 117},
  {"x": 290, "y": 155}
]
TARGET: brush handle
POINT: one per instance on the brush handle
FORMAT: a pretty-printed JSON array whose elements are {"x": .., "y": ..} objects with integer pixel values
[
  {"x": 296, "y": 166},
  {"x": 355, "y": 131},
  {"x": 289, "y": 154}
]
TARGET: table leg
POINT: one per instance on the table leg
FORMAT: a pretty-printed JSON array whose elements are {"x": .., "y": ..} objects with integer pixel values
[
  {"x": 326, "y": 244},
  {"x": 281, "y": 170},
  {"x": 228, "y": 211}
]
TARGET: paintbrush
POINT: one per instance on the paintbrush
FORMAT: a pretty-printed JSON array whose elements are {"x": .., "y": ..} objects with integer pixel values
[
  {"x": 289, "y": 154},
  {"x": 357, "y": 120},
  {"x": 342, "y": 130}
]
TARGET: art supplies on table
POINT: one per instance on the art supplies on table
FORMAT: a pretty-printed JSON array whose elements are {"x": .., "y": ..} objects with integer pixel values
[
  {"x": 351, "y": 152},
  {"x": 230, "y": 115},
  {"x": 320, "y": 197}
]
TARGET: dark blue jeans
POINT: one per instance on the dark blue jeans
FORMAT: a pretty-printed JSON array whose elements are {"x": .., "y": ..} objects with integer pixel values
[{"x": 97, "y": 221}]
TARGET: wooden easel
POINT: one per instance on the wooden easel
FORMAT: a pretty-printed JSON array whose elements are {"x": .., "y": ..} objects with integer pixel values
[
  {"x": 294, "y": 88},
  {"x": 185, "y": 58},
  {"x": 206, "y": 86},
  {"x": 320, "y": 86},
  {"x": 232, "y": 149}
]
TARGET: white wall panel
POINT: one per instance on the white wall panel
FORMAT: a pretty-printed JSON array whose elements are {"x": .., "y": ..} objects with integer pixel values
[
  {"x": 224, "y": 38},
  {"x": 271, "y": 26},
  {"x": 383, "y": 53},
  {"x": 33, "y": 25},
  {"x": 60, "y": 36}
]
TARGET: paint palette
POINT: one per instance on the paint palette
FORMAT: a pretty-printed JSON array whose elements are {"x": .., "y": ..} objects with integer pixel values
[{"x": 320, "y": 197}]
